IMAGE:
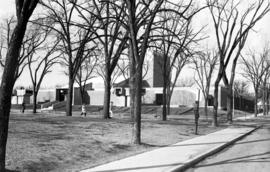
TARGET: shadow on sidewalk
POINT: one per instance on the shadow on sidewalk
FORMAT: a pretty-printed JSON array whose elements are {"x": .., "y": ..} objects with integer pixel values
[
  {"x": 252, "y": 141},
  {"x": 256, "y": 158}
]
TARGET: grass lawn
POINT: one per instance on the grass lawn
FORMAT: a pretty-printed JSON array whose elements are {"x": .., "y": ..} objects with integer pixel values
[{"x": 54, "y": 142}]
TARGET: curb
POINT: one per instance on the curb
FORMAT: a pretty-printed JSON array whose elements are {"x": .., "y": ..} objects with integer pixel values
[{"x": 213, "y": 151}]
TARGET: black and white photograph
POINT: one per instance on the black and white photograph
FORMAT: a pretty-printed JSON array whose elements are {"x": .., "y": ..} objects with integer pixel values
[{"x": 135, "y": 85}]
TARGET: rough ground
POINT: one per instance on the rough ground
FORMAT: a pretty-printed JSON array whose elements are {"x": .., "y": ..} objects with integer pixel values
[{"x": 54, "y": 142}]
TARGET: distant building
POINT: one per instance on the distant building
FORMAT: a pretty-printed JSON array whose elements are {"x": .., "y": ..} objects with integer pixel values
[
  {"x": 21, "y": 95},
  {"x": 151, "y": 91}
]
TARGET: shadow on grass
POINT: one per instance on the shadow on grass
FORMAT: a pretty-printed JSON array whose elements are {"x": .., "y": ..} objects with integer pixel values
[
  {"x": 41, "y": 165},
  {"x": 48, "y": 137},
  {"x": 120, "y": 146},
  {"x": 7, "y": 170},
  {"x": 152, "y": 145},
  {"x": 186, "y": 122}
]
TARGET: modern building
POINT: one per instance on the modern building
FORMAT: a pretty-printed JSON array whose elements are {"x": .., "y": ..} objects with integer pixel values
[
  {"x": 21, "y": 95},
  {"x": 120, "y": 94}
]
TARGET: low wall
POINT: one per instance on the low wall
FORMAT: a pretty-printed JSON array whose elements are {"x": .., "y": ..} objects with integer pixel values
[
  {"x": 97, "y": 98},
  {"x": 45, "y": 96},
  {"x": 180, "y": 96}
]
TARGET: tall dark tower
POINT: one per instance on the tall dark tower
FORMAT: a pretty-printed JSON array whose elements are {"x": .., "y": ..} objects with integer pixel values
[
  {"x": 157, "y": 69},
  {"x": 154, "y": 74}
]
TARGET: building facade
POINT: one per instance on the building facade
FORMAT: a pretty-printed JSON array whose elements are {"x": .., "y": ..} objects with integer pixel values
[{"x": 151, "y": 92}]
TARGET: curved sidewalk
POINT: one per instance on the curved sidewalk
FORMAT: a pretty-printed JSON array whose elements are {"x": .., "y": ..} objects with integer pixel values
[{"x": 177, "y": 157}]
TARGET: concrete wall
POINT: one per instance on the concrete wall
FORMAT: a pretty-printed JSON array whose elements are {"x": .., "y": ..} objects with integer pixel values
[
  {"x": 14, "y": 100},
  {"x": 181, "y": 96},
  {"x": 45, "y": 95},
  {"x": 97, "y": 98},
  {"x": 76, "y": 97},
  {"x": 157, "y": 70},
  {"x": 20, "y": 99},
  {"x": 222, "y": 98},
  {"x": 21, "y": 95}
]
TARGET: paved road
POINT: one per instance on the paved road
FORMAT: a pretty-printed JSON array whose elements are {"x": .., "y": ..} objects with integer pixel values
[{"x": 251, "y": 154}]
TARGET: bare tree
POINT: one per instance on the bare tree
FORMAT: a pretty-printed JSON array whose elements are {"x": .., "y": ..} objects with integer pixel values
[
  {"x": 112, "y": 39},
  {"x": 187, "y": 81},
  {"x": 254, "y": 70},
  {"x": 86, "y": 72},
  {"x": 123, "y": 66},
  {"x": 31, "y": 43},
  {"x": 177, "y": 42},
  {"x": 76, "y": 37},
  {"x": 265, "y": 91},
  {"x": 204, "y": 65},
  {"x": 231, "y": 30},
  {"x": 141, "y": 21},
  {"x": 240, "y": 87},
  {"x": 174, "y": 40},
  {"x": 24, "y": 10},
  {"x": 117, "y": 72},
  {"x": 139, "y": 25},
  {"x": 40, "y": 66},
  {"x": 7, "y": 27}
]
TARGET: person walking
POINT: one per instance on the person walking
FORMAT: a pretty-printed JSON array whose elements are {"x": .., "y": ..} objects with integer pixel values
[
  {"x": 23, "y": 107},
  {"x": 83, "y": 110},
  {"x": 110, "y": 110}
]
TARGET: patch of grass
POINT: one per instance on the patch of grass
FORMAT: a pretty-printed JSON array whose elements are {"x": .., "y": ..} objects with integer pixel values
[{"x": 53, "y": 142}]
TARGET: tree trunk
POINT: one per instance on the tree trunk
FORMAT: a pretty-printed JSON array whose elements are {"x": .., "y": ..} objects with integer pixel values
[
  {"x": 132, "y": 97},
  {"x": 107, "y": 98},
  {"x": 131, "y": 81},
  {"x": 228, "y": 99},
  {"x": 169, "y": 94},
  {"x": 69, "y": 97},
  {"x": 264, "y": 101},
  {"x": 229, "y": 104},
  {"x": 168, "y": 106},
  {"x": 4, "y": 120},
  {"x": 132, "y": 104},
  {"x": 205, "y": 107},
  {"x": 255, "y": 105},
  {"x": 7, "y": 86},
  {"x": 215, "y": 110},
  {"x": 267, "y": 101},
  {"x": 137, "y": 107},
  {"x": 164, "y": 99},
  {"x": 165, "y": 86},
  {"x": 82, "y": 96},
  {"x": 35, "y": 101}
]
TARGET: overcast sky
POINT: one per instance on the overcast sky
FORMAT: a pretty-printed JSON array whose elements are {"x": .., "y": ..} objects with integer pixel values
[
  {"x": 7, "y": 8},
  {"x": 255, "y": 40}
]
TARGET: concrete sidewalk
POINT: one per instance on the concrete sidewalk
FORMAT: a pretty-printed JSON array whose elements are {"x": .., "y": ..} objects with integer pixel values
[
  {"x": 249, "y": 116},
  {"x": 177, "y": 157}
]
